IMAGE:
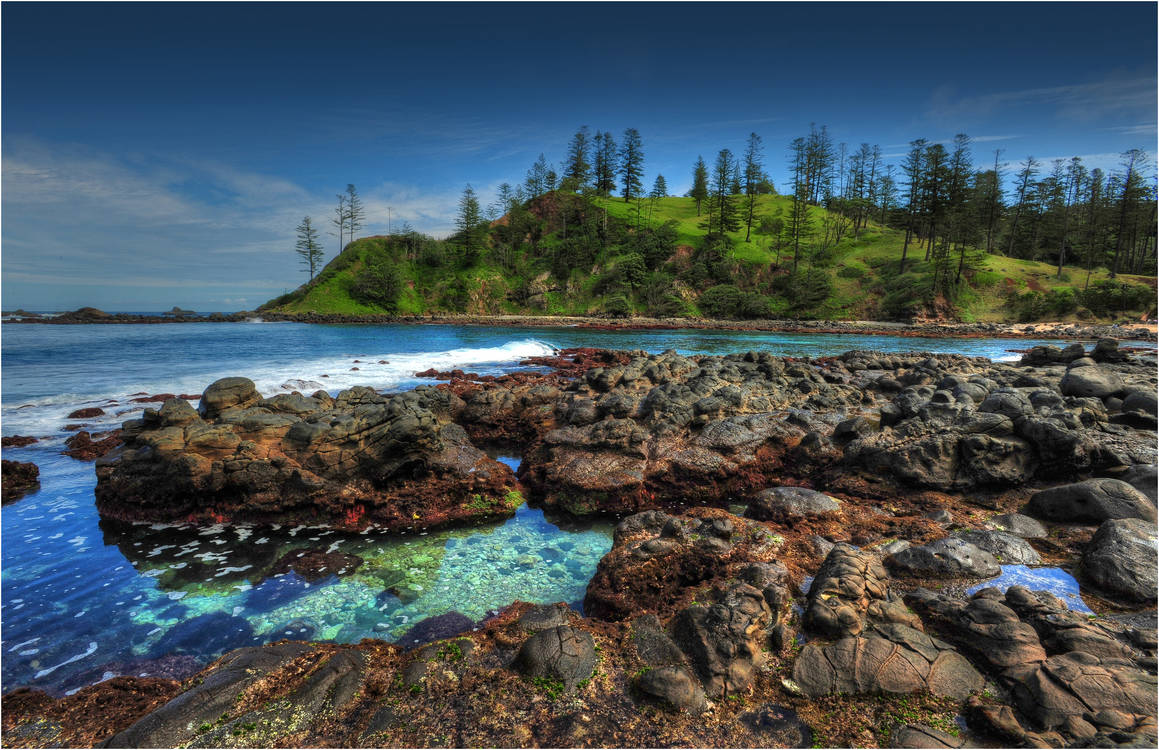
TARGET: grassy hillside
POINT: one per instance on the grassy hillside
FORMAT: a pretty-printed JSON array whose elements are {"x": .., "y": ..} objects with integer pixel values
[{"x": 564, "y": 255}]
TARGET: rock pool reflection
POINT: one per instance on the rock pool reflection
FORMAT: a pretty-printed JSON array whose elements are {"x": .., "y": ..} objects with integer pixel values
[{"x": 1055, "y": 580}]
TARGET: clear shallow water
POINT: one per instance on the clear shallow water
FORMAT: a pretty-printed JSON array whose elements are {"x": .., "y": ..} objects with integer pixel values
[
  {"x": 1055, "y": 580},
  {"x": 80, "y": 599}
]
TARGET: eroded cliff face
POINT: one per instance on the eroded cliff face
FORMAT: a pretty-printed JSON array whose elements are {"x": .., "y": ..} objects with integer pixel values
[{"x": 791, "y": 568}]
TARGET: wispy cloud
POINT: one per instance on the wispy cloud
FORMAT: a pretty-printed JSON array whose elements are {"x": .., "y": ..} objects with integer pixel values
[
  {"x": 83, "y": 219},
  {"x": 1115, "y": 96}
]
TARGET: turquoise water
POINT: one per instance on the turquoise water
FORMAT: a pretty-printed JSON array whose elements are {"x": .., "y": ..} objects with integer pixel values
[{"x": 82, "y": 600}]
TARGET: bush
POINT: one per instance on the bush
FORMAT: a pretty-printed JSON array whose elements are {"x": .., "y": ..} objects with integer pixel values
[
  {"x": 618, "y": 306},
  {"x": 805, "y": 291},
  {"x": 906, "y": 295},
  {"x": 1113, "y": 297},
  {"x": 851, "y": 272},
  {"x": 654, "y": 246},
  {"x": 456, "y": 295},
  {"x": 378, "y": 284},
  {"x": 1030, "y": 306},
  {"x": 721, "y": 301},
  {"x": 632, "y": 269},
  {"x": 754, "y": 307}
]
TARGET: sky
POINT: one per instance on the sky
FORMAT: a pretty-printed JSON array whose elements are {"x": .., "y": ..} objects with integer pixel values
[{"x": 162, "y": 154}]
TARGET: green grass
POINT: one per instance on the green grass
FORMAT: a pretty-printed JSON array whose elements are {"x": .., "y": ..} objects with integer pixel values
[{"x": 859, "y": 269}]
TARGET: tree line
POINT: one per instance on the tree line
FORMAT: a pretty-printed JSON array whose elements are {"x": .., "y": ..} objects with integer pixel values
[{"x": 951, "y": 211}]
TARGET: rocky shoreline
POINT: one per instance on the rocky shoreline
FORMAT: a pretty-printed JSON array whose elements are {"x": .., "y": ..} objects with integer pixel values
[
  {"x": 790, "y": 568},
  {"x": 929, "y": 329}
]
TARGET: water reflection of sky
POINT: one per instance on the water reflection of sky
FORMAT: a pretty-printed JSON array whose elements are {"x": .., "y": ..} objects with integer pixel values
[{"x": 1055, "y": 580}]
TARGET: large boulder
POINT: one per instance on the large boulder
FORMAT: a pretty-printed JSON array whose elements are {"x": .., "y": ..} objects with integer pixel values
[
  {"x": 724, "y": 640},
  {"x": 1090, "y": 381},
  {"x": 900, "y": 661},
  {"x": 228, "y": 393},
  {"x": 1006, "y": 548},
  {"x": 562, "y": 654},
  {"x": 785, "y": 503},
  {"x": 396, "y": 461},
  {"x": 1092, "y": 501},
  {"x": 950, "y": 557},
  {"x": 19, "y": 478},
  {"x": 1121, "y": 558}
]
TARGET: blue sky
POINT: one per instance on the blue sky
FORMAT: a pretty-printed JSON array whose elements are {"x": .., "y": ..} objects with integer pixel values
[{"x": 162, "y": 154}]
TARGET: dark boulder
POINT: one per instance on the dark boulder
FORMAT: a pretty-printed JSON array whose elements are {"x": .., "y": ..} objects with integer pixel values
[
  {"x": 1006, "y": 548},
  {"x": 1092, "y": 501},
  {"x": 783, "y": 503},
  {"x": 18, "y": 479},
  {"x": 561, "y": 654},
  {"x": 944, "y": 558},
  {"x": 1121, "y": 559}
]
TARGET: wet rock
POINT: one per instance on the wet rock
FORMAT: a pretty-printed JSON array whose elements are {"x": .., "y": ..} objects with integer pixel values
[
  {"x": 437, "y": 628},
  {"x": 1006, "y": 548},
  {"x": 18, "y": 478},
  {"x": 176, "y": 723},
  {"x": 397, "y": 461},
  {"x": 944, "y": 558},
  {"x": 82, "y": 447},
  {"x": 1018, "y": 525},
  {"x": 17, "y": 441},
  {"x": 562, "y": 653},
  {"x": 86, "y": 413},
  {"x": 784, "y": 503},
  {"x": 1092, "y": 501},
  {"x": 1121, "y": 559},
  {"x": 656, "y": 558},
  {"x": 724, "y": 640}
]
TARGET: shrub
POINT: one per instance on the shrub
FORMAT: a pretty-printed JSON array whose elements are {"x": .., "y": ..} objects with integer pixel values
[
  {"x": 720, "y": 301},
  {"x": 805, "y": 290},
  {"x": 754, "y": 307},
  {"x": 1111, "y": 297},
  {"x": 618, "y": 306},
  {"x": 851, "y": 272},
  {"x": 378, "y": 284}
]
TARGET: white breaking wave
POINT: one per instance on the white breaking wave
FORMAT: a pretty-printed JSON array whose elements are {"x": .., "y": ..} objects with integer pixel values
[{"x": 381, "y": 371}]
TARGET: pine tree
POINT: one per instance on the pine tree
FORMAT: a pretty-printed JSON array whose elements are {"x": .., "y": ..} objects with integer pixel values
[
  {"x": 469, "y": 225},
  {"x": 753, "y": 173},
  {"x": 339, "y": 220},
  {"x": 355, "y": 214},
  {"x": 722, "y": 210},
  {"x": 699, "y": 183},
  {"x": 632, "y": 164},
  {"x": 659, "y": 187},
  {"x": 604, "y": 156},
  {"x": 578, "y": 171},
  {"x": 308, "y": 248},
  {"x": 538, "y": 178}
]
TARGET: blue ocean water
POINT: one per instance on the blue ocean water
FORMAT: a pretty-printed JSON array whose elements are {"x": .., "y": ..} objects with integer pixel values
[{"x": 83, "y": 599}]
